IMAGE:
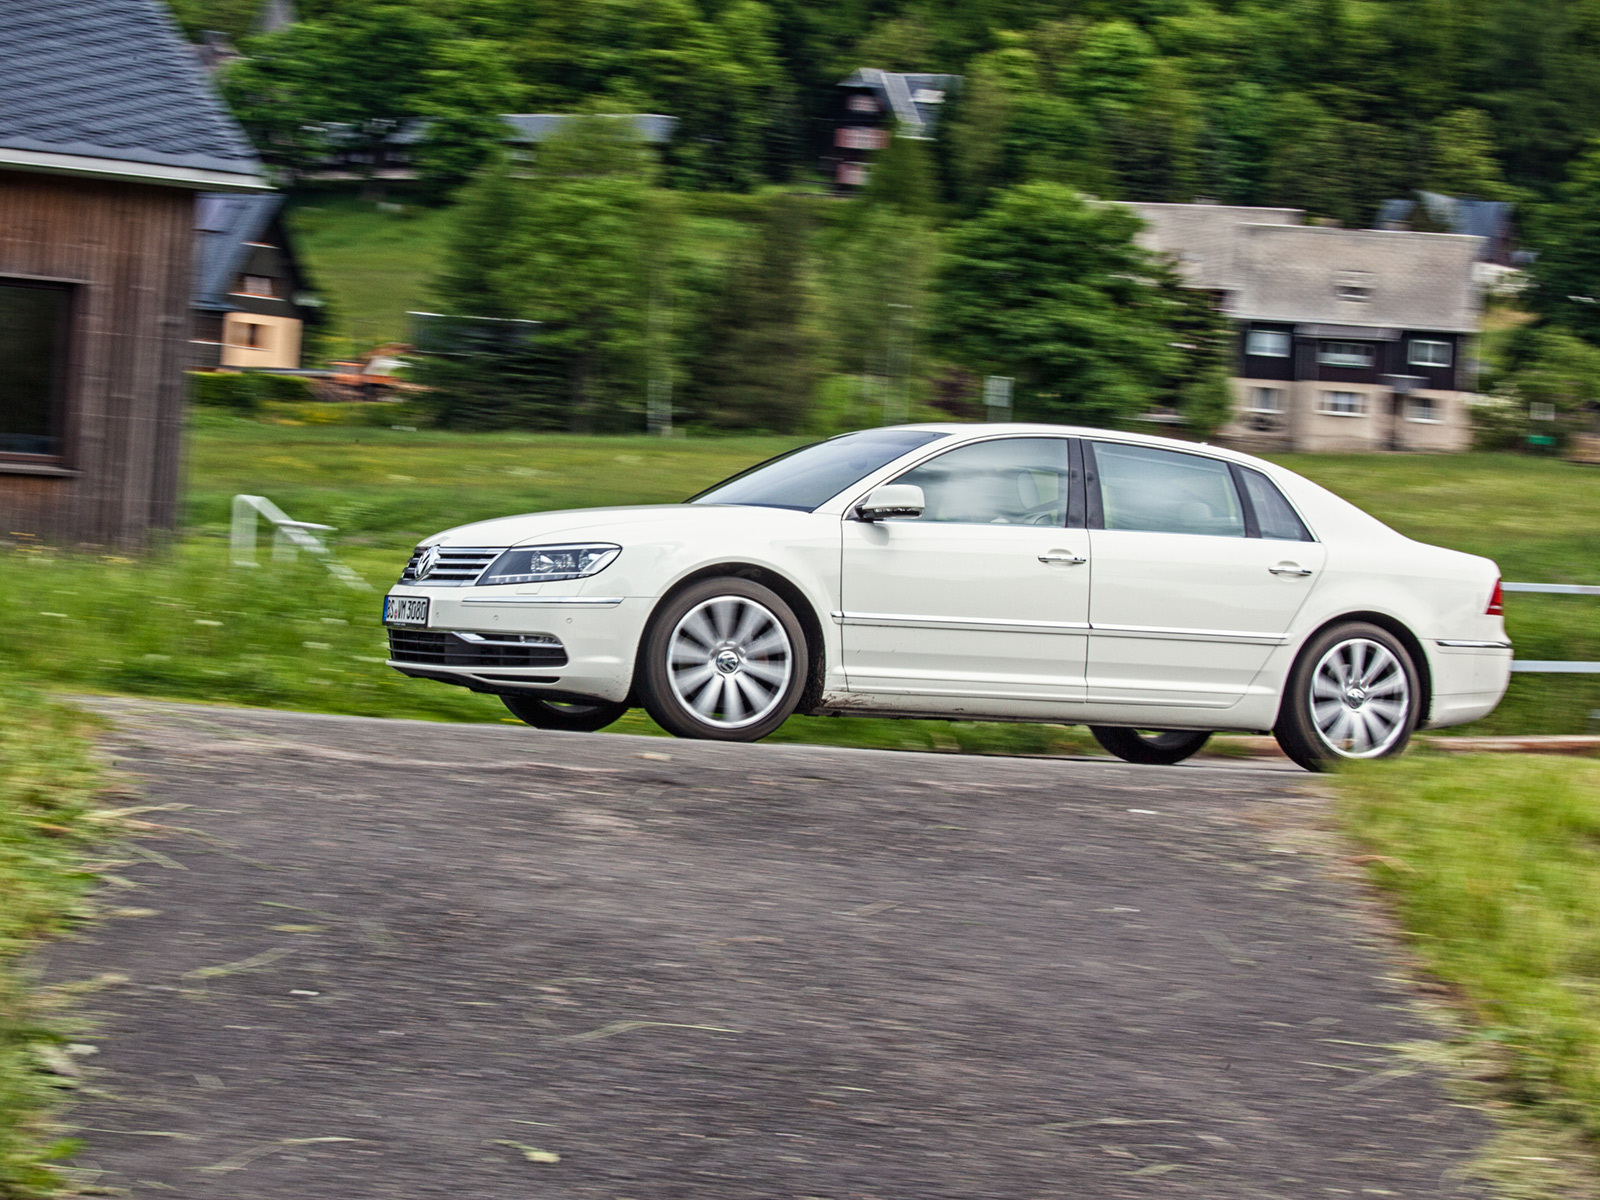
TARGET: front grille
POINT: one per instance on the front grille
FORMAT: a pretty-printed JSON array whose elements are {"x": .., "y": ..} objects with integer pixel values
[
  {"x": 441, "y": 649},
  {"x": 457, "y": 566}
]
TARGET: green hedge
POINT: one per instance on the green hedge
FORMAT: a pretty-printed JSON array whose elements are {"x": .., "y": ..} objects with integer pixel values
[{"x": 245, "y": 392}]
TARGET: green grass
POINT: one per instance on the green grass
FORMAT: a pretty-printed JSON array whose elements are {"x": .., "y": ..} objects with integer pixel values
[
  {"x": 291, "y": 637},
  {"x": 373, "y": 265},
  {"x": 47, "y": 782},
  {"x": 1494, "y": 865}
]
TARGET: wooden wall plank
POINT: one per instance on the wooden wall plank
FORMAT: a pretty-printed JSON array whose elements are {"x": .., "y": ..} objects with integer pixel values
[{"x": 130, "y": 245}]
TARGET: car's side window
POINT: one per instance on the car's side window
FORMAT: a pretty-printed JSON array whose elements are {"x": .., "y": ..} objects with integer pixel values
[
  {"x": 1275, "y": 518},
  {"x": 1009, "y": 481},
  {"x": 1166, "y": 491}
]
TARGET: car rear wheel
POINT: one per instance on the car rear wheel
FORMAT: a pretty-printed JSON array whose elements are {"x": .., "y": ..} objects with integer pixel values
[
  {"x": 1158, "y": 747},
  {"x": 1353, "y": 694},
  {"x": 575, "y": 715},
  {"x": 725, "y": 659}
]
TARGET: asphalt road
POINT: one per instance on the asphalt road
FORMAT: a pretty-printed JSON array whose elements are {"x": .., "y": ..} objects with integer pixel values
[{"x": 397, "y": 959}]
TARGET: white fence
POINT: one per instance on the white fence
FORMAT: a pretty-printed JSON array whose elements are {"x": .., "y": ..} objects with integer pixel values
[
  {"x": 1555, "y": 666},
  {"x": 288, "y": 538}
]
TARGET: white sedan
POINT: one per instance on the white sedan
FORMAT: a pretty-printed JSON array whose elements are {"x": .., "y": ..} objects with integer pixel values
[{"x": 1154, "y": 590}]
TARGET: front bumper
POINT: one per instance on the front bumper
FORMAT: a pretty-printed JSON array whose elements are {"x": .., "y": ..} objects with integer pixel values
[{"x": 592, "y": 640}]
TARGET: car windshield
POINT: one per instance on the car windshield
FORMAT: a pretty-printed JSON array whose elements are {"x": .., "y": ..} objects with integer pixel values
[{"x": 812, "y": 475}]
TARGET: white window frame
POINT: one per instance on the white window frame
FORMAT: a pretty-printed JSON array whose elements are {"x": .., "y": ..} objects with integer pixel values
[
  {"x": 1325, "y": 404},
  {"x": 1287, "y": 343},
  {"x": 1327, "y": 356},
  {"x": 1435, "y": 410},
  {"x": 1254, "y": 404},
  {"x": 1416, "y": 361}
]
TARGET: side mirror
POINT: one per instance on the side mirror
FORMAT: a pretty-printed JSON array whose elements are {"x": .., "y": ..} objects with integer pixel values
[{"x": 891, "y": 500}]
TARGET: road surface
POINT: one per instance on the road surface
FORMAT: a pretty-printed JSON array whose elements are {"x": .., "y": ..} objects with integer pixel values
[{"x": 398, "y": 959}]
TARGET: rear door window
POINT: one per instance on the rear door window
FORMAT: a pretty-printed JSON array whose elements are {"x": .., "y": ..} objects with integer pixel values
[{"x": 1151, "y": 490}]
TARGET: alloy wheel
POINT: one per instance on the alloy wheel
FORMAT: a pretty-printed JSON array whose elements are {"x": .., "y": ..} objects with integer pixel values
[
  {"x": 729, "y": 661},
  {"x": 1360, "y": 699}
]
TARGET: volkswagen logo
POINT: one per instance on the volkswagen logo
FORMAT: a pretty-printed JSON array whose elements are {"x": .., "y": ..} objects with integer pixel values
[{"x": 428, "y": 561}]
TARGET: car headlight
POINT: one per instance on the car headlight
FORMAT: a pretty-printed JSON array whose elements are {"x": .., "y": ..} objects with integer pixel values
[{"x": 541, "y": 564}]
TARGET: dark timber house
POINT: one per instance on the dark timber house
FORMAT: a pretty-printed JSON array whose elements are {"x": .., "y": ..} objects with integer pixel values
[
  {"x": 108, "y": 130},
  {"x": 870, "y": 107},
  {"x": 252, "y": 300}
]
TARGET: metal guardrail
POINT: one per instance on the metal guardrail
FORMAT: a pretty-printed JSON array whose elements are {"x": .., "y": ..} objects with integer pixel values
[
  {"x": 288, "y": 538},
  {"x": 1534, "y": 666}
]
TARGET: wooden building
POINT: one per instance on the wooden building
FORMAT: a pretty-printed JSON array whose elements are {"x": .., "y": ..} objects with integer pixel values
[
  {"x": 252, "y": 300},
  {"x": 108, "y": 130},
  {"x": 872, "y": 106}
]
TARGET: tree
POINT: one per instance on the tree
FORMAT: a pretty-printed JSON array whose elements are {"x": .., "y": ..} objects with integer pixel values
[
  {"x": 1566, "y": 275},
  {"x": 755, "y": 369},
  {"x": 1052, "y": 291},
  {"x": 1462, "y": 162},
  {"x": 578, "y": 260},
  {"x": 464, "y": 95}
]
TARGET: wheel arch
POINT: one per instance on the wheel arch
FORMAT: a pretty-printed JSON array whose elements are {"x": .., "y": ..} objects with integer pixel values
[
  {"x": 793, "y": 595},
  {"x": 1402, "y": 633}
]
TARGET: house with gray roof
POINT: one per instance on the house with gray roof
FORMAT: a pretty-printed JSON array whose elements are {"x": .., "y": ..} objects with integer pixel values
[
  {"x": 108, "y": 130},
  {"x": 872, "y": 106},
  {"x": 252, "y": 300},
  {"x": 1349, "y": 339}
]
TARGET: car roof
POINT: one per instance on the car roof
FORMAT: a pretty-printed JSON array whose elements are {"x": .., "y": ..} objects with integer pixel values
[{"x": 1020, "y": 428}]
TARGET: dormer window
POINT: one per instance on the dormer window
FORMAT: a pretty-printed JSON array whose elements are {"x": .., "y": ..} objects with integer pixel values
[
  {"x": 927, "y": 96},
  {"x": 1353, "y": 286}
]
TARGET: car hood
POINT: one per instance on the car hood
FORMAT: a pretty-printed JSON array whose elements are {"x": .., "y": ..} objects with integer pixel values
[{"x": 610, "y": 524}]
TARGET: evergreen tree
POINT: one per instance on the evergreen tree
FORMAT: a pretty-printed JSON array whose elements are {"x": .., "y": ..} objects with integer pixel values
[
  {"x": 1462, "y": 161},
  {"x": 1566, "y": 274},
  {"x": 755, "y": 367}
]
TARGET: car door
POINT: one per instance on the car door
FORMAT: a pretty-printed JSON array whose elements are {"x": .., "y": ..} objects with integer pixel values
[
  {"x": 1188, "y": 598},
  {"x": 986, "y": 594}
]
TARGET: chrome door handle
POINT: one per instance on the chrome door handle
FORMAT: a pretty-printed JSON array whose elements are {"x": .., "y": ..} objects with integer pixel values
[
  {"x": 1063, "y": 556},
  {"x": 1294, "y": 569}
]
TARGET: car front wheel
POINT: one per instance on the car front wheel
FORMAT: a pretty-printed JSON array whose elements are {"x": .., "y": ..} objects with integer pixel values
[
  {"x": 724, "y": 659},
  {"x": 1353, "y": 694}
]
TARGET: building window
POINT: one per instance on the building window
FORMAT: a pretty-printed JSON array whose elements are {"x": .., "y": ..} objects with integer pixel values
[
  {"x": 1266, "y": 400},
  {"x": 854, "y": 137},
  {"x": 852, "y": 174},
  {"x": 1429, "y": 354},
  {"x": 1425, "y": 409},
  {"x": 1344, "y": 354},
  {"x": 33, "y": 366},
  {"x": 249, "y": 334},
  {"x": 861, "y": 103},
  {"x": 1267, "y": 343},
  {"x": 1342, "y": 404},
  {"x": 256, "y": 285}
]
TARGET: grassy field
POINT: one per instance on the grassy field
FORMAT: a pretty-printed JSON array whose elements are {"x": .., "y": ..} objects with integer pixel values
[
  {"x": 184, "y": 624},
  {"x": 1494, "y": 864},
  {"x": 47, "y": 781},
  {"x": 373, "y": 265}
]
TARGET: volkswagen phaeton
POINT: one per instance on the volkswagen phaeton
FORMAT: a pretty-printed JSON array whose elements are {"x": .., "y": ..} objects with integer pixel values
[{"x": 1154, "y": 590}]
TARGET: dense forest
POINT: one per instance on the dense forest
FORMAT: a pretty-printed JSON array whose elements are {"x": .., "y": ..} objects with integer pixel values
[
  {"x": 1330, "y": 105},
  {"x": 1327, "y": 105}
]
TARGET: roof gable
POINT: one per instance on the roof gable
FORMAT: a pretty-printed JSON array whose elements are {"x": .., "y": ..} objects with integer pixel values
[
  {"x": 915, "y": 99},
  {"x": 108, "y": 87},
  {"x": 225, "y": 222}
]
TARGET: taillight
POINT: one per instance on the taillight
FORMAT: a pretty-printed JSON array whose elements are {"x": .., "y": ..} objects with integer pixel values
[{"x": 1497, "y": 602}]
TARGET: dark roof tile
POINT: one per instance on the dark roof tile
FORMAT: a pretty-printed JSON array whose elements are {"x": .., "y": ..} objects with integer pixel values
[{"x": 111, "y": 79}]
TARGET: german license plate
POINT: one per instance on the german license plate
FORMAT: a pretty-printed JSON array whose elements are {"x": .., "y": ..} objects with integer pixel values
[{"x": 405, "y": 610}]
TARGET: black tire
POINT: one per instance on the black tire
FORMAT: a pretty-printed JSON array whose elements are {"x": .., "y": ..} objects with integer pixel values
[
  {"x": 1378, "y": 703},
  {"x": 576, "y": 715},
  {"x": 692, "y": 655},
  {"x": 1156, "y": 747}
]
